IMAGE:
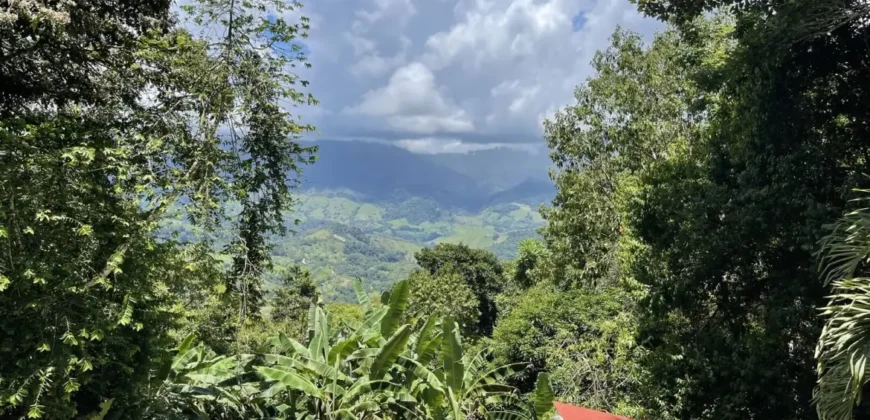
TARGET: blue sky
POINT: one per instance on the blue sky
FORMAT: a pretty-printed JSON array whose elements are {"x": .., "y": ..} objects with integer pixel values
[{"x": 439, "y": 76}]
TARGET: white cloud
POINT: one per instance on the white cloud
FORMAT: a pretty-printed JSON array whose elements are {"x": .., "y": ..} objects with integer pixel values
[
  {"x": 370, "y": 62},
  {"x": 411, "y": 89},
  {"x": 458, "y": 122},
  {"x": 435, "y": 145},
  {"x": 519, "y": 96},
  {"x": 384, "y": 9},
  {"x": 412, "y": 102},
  {"x": 478, "y": 71},
  {"x": 500, "y": 31}
]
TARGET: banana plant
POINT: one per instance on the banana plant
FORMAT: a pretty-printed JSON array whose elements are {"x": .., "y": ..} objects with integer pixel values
[
  {"x": 540, "y": 406},
  {"x": 194, "y": 383},
  {"x": 343, "y": 375},
  {"x": 461, "y": 386},
  {"x": 383, "y": 368}
]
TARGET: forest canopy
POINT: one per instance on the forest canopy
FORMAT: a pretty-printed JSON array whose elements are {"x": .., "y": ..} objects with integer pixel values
[{"x": 704, "y": 257}]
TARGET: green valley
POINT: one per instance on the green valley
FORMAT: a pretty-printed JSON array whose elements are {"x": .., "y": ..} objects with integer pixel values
[{"x": 341, "y": 237}]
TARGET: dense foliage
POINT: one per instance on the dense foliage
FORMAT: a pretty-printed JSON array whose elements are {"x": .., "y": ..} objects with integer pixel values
[
  {"x": 704, "y": 203},
  {"x": 480, "y": 271},
  {"x": 378, "y": 368},
  {"x": 698, "y": 173},
  {"x": 111, "y": 114}
]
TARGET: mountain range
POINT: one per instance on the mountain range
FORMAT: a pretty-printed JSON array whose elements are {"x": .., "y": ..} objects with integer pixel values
[
  {"x": 384, "y": 173},
  {"x": 364, "y": 209}
]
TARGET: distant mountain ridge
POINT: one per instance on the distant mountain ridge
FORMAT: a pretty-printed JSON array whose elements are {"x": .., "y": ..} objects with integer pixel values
[
  {"x": 385, "y": 173},
  {"x": 531, "y": 191},
  {"x": 365, "y": 209},
  {"x": 499, "y": 168}
]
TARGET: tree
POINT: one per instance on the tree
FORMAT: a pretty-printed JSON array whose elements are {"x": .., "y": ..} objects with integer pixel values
[
  {"x": 290, "y": 303},
  {"x": 50, "y": 52},
  {"x": 639, "y": 109},
  {"x": 714, "y": 213},
  {"x": 445, "y": 295},
  {"x": 480, "y": 270},
  {"x": 109, "y": 117},
  {"x": 725, "y": 243},
  {"x": 583, "y": 338}
]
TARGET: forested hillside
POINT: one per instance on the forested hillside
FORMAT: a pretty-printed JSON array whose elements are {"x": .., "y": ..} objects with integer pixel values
[
  {"x": 341, "y": 237},
  {"x": 173, "y": 245},
  {"x": 384, "y": 174}
]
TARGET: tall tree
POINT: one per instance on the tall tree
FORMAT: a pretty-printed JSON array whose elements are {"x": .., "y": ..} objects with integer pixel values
[
  {"x": 109, "y": 116},
  {"x": 250, "y": 261},
  {"x": 480, "y": 270},
  {"x": 731, "y": 242}
]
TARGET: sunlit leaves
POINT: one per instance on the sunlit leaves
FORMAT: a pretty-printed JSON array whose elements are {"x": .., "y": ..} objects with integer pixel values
[
  {"x": 844, "y": 345},
  {"x": 138, "y": 116}
]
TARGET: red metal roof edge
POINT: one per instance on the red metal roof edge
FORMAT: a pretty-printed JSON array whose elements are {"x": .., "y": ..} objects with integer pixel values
[{"x": 573, "y": 412}]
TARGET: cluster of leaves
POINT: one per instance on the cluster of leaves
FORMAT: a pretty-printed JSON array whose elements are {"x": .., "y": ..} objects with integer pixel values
[
  {"x": 695, "y": 176},
  {"x": 842, "y": 351},
  {"x": 377, "y": 369},
  {"x": 110, "y": 114}
]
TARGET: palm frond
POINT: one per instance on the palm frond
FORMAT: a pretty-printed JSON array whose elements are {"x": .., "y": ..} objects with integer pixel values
[{"x": 844, "y": 346}]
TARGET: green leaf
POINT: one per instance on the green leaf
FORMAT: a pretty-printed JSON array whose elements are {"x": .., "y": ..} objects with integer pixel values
[
  {"x": 324, "y": 370},
  {"x": 428, "y": 341},
  {"x": 187, "y": 343},
  {"x": 290, "y": 380},
  {"x": 4, "y": 282},
  {"x": 398, "y": 305},
  {"x": 451, "y": 355},
  {"x": 318, "y": 347},
  {"x": 342, "y": 349},
  {"x": 182, "y": 359},
  {"x": 422, "y": 372},
  {"x": 454, "y": 405},
  {"x": 363, "y": 354},
  {"x": 543, "y": 396},
  {"x": 390, "y": 352},
  {"x": 361, "y": 296},
  {"x": 371, "y": 322},
  {"x": 288, "y": 345}
]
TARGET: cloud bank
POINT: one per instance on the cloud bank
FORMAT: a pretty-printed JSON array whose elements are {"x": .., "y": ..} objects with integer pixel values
[{"x": 453, "y": 76}]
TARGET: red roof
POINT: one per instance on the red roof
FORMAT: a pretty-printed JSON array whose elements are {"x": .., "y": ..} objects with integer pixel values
[{"x": 570, "y": 412}]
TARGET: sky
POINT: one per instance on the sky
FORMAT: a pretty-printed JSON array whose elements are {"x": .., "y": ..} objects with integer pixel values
[{"x": 453, "y": 76}]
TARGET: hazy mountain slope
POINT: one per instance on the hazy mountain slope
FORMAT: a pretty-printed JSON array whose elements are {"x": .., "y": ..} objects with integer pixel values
[
  {"x": 381, "y": 173},
  {"x": 366, "y": 208},
  {"x": 531, "y": 191},
  {"x": 499, "y": 168},
  {"x": 387, "y": 173}
]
